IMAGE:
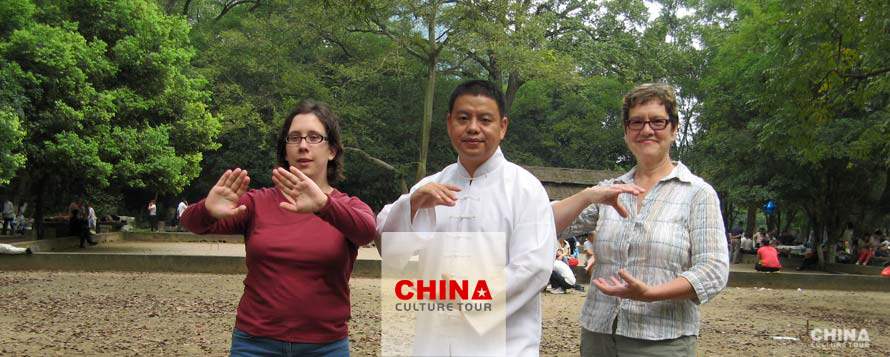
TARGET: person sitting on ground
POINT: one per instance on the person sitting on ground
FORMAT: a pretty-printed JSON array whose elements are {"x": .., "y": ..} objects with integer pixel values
[
  {"x": 768, "y": 258},
  {"x": 588, "y": 251},
  {"x": 563, "y": 251},
  {"x": 866, "y": 250},
  {"x": 810, "y": 259},
  {"x": 11, "y": 249},
  {"x": 21, "y": 223},
  {"x": 562, "y": 279},
  {"x": 884, "y": 249}
]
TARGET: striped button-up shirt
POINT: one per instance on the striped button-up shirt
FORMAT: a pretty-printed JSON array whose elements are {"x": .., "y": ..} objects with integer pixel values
[{"x": 678, "y": 231}]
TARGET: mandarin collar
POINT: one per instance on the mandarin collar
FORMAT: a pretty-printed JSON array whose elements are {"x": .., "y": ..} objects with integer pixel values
[{"x": 486, "y": 168}]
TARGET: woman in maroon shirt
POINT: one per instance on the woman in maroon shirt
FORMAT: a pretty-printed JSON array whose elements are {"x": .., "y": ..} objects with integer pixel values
[{"x": 301, "y": 237}]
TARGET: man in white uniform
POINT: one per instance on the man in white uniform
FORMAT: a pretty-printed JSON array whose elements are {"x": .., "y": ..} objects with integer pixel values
[{"x": 482, "y": 192}]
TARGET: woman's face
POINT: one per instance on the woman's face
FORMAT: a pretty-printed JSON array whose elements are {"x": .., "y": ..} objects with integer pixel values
[
  {"x": 311, "y": 159},
  {"x": 647, "y": 144}
]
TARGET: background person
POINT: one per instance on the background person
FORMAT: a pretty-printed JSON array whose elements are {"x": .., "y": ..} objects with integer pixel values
[
  {"x": 11, "y": 249},
  {"x": 748, "y": 246},
  {"x": 180, "y": 209},
  {"x": 767, "y": 258},
  {"x": 301, "y": 237},
  {"x": 735, "y": 242},
  {"x": 588, "y": 251},
  {"x": 8, "y": 216},
  {"x": 91, "y": 218},
  {"x": 659, "y": 229},
  {"x": 152, "y": 215}
]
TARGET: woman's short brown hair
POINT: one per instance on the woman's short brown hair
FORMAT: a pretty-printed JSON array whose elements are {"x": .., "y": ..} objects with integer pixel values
[
  {"x": 648, "y": 91},
  {"x": 331, "y": 126}
]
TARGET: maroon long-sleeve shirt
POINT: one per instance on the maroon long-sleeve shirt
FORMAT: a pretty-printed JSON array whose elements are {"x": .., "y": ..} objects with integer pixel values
[{"x": 298, "y": 265}]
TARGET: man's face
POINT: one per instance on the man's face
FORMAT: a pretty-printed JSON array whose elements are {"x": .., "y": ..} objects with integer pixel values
[{"x": 476, "y": 128}]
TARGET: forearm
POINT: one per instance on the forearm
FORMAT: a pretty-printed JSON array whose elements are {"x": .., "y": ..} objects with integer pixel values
[
  {"x": 352, "y": 217},
  {"x": 677, "y": 289},
  {"x": 565, "y": 211}
]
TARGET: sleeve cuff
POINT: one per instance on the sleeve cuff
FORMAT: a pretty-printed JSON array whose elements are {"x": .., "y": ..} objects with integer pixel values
[
  {"x": 325, "y": 211},
  {"x": 700, "y": 294}
]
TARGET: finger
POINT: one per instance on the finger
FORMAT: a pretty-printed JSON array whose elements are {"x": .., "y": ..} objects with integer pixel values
[
  {"x": 447, "y": 192},
  {"x": 280, "y": 180},
  {"x": 223, "y": 178},
  {"x": 299, "y": 174},
  {"x": 620, "y": 208},
  {"x": 452, "y": 187},
  {"x": 601, "y": 285},
  {"x": 241, "y": 209},
  {"x": 627, "y": 277},
  {"x": 283, "y": 175},
  {"x": 632, "y": 189},
  {"x": 231, "y": 179},
  {"x": 616, "y": 281},
  {"x": 442, "y": 198},
  {"x": 284, "y": 190},
  {"x": 288, "y": 206},
  {"x": 245, "y": 181}
]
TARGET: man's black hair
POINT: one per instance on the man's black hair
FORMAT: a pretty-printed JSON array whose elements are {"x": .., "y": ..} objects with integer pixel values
[{"x": 479, "y": 87}]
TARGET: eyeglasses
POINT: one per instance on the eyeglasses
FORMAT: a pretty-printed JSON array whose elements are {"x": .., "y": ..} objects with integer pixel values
[
  {"x": 638, "y": 124},
  {"x": 311, "y": 138}
]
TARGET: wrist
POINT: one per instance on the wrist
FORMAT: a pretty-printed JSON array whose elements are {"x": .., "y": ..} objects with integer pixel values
[
  {"x": 653, "y": 293},
  {"x": 324, "y": 203},
  {"x": 590, "y": 197}
]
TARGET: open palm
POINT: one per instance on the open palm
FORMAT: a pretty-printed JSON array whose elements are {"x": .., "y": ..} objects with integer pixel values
[
  {"x": 303, "y": 194},
  {"x": 222, "y": 201}
]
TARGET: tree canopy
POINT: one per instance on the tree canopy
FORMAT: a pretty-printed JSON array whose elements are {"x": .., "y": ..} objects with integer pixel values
[{"x": 779, "y": 101}]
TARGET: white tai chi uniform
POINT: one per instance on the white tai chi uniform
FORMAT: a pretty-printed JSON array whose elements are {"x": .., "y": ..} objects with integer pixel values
[{"x": 501, "y": 198}]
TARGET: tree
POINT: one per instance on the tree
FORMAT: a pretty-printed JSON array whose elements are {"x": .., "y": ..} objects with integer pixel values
[
  {"x": 424, "y": 29},
  {"x": 807, "y": 84},
  {"x": 109, "y": 100}
]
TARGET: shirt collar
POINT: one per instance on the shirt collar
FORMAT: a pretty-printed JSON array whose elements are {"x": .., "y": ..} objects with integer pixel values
[
  {"x": 680, "y": 172},
  {"x": 487, "y": 167}
]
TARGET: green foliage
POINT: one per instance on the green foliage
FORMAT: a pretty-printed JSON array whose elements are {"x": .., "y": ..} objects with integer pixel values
[
  {"x": 795, "y": 105},
  {"x": 108, "y": 98}
]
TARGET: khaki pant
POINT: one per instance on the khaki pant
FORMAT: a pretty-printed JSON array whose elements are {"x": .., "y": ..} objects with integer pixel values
[{"x": 600, "y": 344}]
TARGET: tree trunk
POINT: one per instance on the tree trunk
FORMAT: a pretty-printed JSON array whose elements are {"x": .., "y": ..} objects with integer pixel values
[
  {"x": 513, "y": 84},
  {"x": 751, "y": 222},
  {"x": 817, "y": 244},
  {"x": 428, "y": 97},
  {"x": 38, "y": 208}
]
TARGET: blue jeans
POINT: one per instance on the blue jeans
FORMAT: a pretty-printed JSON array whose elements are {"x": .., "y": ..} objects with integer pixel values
[{"x": 243, "y": 344}]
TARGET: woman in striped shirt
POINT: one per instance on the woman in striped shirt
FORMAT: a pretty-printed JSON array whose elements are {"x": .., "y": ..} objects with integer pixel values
[{"x": 661, "y": 247}]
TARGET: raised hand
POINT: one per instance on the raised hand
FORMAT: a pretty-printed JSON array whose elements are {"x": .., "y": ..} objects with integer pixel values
[
  {"x": 608, "y": 195},
  {"x": 222, "y": 201},
  {"x": 631, "y": 288},
  {"x": 433, "y": 194},
  {"x": 303, "y": 194}
]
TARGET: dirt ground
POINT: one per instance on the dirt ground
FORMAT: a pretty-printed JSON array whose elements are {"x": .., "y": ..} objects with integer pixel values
[{"x": 69, "y": 313}]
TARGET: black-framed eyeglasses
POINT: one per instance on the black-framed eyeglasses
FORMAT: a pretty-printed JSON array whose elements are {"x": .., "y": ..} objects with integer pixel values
[
  {"x": 638, "y": 124},
  {"x": 311, "y": 138}
]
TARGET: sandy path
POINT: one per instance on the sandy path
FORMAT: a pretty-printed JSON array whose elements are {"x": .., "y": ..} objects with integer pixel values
[{"x": 69, "y": 313}]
